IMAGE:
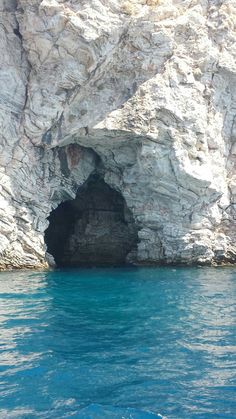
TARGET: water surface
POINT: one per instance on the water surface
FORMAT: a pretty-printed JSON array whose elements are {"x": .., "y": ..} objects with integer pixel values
[{"x": 116, "y": 343}]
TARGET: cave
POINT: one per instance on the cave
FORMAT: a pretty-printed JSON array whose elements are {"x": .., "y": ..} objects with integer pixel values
[{"x": 95, "y": 229}]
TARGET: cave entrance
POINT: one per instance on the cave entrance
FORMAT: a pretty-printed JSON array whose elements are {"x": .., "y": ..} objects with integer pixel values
[{"x": 94, "y": 229}]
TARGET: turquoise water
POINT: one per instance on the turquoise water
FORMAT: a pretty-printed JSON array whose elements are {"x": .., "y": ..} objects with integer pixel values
[{"x": 116, "y": 343}]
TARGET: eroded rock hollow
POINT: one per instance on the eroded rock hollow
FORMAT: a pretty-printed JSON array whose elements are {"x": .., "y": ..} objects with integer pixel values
[{"x": 94, "y": 229}]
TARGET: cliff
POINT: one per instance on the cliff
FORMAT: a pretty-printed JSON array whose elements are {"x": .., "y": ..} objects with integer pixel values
[{"x": 141, "y": 92}]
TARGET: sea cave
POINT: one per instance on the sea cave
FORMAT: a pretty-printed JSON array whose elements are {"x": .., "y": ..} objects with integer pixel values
[{"x": 93, "y": 230}]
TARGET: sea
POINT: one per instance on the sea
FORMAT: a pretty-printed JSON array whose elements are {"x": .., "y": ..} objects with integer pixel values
[{"x": 118, "y": 343}]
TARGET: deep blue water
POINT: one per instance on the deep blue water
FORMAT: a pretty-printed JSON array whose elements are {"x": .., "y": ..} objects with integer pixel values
[{"x": 116, "y": 343}]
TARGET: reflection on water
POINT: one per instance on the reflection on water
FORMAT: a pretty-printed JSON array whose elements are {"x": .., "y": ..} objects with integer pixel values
[{"x": 160, "y": 340}]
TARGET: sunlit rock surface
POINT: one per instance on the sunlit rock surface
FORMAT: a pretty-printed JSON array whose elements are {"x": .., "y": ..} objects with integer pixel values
[{"x": 148, "y": 88}]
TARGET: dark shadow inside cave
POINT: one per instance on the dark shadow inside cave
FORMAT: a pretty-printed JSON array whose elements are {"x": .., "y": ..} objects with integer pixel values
[{"x": 94, "y": 229}]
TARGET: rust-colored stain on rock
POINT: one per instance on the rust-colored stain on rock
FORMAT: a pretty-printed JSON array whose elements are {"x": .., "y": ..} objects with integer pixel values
[{"x": 74, "y": 153}]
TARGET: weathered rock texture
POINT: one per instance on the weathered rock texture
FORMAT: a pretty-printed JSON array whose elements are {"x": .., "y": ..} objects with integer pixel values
[{"x": 150, "y": 88}]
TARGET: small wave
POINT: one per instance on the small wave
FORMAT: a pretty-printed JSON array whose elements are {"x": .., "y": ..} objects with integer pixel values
[{"x": 97, "y": 411}]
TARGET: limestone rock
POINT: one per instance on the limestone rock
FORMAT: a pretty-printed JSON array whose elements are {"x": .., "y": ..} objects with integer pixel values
[{"x": 144, "y": 92}]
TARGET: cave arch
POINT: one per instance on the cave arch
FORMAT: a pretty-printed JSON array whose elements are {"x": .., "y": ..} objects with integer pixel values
[{"x": 94, "y": 229}]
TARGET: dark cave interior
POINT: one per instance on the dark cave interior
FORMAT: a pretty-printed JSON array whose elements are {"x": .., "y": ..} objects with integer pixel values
[{"x": 95, "y": 229}]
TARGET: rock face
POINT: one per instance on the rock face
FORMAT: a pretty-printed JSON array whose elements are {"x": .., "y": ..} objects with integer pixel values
[{"x": 141, "y": 91}]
